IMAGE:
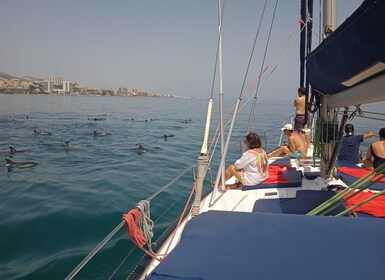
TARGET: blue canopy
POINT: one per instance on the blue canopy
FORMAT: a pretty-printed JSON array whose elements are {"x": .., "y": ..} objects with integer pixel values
[{"x": 354, "y": 47}]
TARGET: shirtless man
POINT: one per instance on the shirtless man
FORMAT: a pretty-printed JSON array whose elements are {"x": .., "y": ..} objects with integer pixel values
[
  {"x": 296, "y": 147},
  {"x": 299, "y": 120},
  {"x": 299, "y": 104}
]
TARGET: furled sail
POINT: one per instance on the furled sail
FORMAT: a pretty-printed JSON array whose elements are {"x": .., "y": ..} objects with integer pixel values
[{"x": 352, "y": 56}]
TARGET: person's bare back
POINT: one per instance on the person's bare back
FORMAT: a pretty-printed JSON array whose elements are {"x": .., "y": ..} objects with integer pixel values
[
  {"x": 379, "y": 148},
  {"x": 297, "y": 143},
  {"x": 299, "y": 104}
]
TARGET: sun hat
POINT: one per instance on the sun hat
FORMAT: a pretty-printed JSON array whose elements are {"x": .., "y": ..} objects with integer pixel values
[{"x": 287, "y": 127}]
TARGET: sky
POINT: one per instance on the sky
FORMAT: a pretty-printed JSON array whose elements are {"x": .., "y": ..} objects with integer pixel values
[{"x": 159, "y": 46}]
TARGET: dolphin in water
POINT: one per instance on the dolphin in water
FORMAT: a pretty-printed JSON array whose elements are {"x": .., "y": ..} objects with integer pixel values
[
  {"x": 140, "y": 149},
  {"x": 16, "y": 121},
  {"x": 167, "y": 136},
  {"x": 187, "y": 121},
  {"x": 22, "y": 164},
  {"x": 101, "y": 133},
  {"x": 97, "y": 119},
  {"x": 41, "y": 132},
  {"x": 67, "y": 144},
  {"x": 14, "y": 151}
]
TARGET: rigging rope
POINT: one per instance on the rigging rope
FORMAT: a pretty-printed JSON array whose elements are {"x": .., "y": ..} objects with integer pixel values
[
  {"x": 217, "y": 54},
  {"x": 252, "y": 110},
  {"x": 253, "y": 49},
  {"x": 216, "y": 133},
  {"x": 180, "y": 219},
  {"x": 116, "y": 229},
  {"x": 356, "y": 111},
  {"x": 370, "y": 113}
]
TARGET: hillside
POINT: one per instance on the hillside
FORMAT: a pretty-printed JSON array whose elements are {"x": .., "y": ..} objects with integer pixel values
[
  {"x": 7, "y": 76},
  {"x": 4, "y": 75}
]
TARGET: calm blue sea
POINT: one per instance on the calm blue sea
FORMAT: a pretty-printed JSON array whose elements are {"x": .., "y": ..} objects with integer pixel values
[{"x": 54, "y": 214}]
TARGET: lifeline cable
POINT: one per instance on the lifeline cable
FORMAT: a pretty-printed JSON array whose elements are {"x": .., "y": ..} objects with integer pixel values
[{"x": 114, "y": 231}]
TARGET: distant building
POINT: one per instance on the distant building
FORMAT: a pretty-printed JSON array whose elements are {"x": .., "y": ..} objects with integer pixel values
[
  {"x": 48, "y": 86},
  {"x": 68, "y": 86},
  {"x": 134, "y": 92},
  {"x": 56, "y": 80},
  {"x": 123, "y": 90}
]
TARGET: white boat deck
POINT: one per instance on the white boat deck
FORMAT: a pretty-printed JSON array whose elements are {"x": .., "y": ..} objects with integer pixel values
[
  {"x": 238, "y": 200},
  {"x": 243, "y": 201}
]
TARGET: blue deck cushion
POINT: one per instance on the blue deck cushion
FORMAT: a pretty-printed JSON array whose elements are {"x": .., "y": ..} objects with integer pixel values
[
  {"x": 237, "y": 245},
  {"x": 312, "y": 175},
  {"x": 364, "y": 215},
  {"x": 349, "y": 179},
  {"x": 305, "y": 201},
  {"x": 156, "y": 276},
  {"x": 281, "y": 161},
  {"x": 345, "y": 163},
  {"x": 292, "y": 174}
]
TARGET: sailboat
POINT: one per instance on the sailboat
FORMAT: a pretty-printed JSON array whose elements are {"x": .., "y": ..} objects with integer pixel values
[{"x": 301, "y": 229}]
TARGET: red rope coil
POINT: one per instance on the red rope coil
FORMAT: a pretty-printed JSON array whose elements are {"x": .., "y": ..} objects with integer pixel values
[{"x": 131, "y": 220}]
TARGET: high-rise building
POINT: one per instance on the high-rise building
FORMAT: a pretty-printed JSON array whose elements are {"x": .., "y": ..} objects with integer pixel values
[
  {"x": 48, "y": 86},
  {"x": 68, "y": 86},
  {"x": 55, "y": 80},
  {"x": 123, "y": 90}
]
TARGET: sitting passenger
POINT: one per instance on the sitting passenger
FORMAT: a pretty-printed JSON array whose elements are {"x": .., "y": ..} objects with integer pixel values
[
  {"x": 296, "y": 147},
  {"x": 350, "y": 146},
  {"x": 252, "y": 168},
  {"x": 376, "y": 151}
]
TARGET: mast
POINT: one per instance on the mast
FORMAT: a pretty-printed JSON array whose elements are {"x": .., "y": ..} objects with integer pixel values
[
  {"x": 329, "y": 18},
  {"x": 305, "y": 47},
  {"x": 329, "y": 25}
]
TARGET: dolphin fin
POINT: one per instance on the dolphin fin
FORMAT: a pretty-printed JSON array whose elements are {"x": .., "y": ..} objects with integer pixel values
[
  {"x": 13, "y": 150},
  {"x": 10, "y": 162}
]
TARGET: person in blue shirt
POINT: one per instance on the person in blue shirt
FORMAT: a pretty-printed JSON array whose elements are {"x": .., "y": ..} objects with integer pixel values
[{"x": 350, "y": 146}]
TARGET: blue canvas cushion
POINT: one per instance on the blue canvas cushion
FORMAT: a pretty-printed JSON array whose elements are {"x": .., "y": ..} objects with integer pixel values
[
  {"x": 345, "y": 163},
  {"x": 349, "y": 179},
  {"x": 312, "y": 175},
  {"x": 157, "y": 276},
  {"x": 292, "y": 174},
  {"x": 238, "y": 245},
  {"x": 281, "y": 161},
  {"x": 303, "y": 203}
]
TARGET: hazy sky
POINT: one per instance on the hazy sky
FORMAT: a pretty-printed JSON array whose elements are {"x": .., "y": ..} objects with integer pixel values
[{"x": 166, "y": 46}]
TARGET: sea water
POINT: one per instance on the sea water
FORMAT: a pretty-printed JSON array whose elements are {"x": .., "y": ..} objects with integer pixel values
[{"x": 54, "y": 214}]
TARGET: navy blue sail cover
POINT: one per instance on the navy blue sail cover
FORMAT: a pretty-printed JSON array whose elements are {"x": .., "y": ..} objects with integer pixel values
[
  {"x": 356, "y": 45},
  {"x": 235, "y": 245}
]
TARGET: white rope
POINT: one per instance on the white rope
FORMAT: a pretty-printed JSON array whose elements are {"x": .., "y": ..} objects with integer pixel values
[{"x": 145, "y": 223}]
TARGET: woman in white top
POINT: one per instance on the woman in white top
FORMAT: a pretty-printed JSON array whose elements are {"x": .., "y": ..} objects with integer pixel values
[{"x": 252, "y": 168}]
